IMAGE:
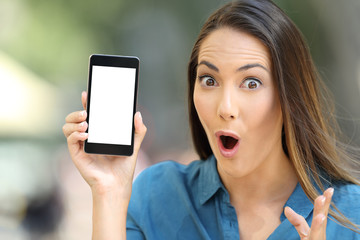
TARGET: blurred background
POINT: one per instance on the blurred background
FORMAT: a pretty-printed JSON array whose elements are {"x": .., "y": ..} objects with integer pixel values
[{"x": 44, "y": 51}]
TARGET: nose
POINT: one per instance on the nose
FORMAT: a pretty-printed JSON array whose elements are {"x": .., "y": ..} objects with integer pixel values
[{"x": 227, "y": 107}]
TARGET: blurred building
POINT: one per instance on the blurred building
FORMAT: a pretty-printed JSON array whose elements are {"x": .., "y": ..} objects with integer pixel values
[{"x": 30, "y": 201}]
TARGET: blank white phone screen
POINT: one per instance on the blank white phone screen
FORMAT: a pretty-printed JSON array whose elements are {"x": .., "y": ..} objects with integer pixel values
[{"x": 111, "y": 105}]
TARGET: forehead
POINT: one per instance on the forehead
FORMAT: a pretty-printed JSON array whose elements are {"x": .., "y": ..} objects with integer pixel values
[{"x": 235, "y": 47}]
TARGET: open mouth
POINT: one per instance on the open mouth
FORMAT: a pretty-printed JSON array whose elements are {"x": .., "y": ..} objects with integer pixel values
[{"x": 228, "y": 142}]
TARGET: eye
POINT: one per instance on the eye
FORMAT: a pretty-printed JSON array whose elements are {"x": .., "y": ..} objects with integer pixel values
[
  {"x": 251, "y": 83},
  {"x": 207, "y": 81}
]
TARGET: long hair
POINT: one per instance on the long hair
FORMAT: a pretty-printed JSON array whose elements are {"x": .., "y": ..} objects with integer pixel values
[{"x": 310, "y": 130}]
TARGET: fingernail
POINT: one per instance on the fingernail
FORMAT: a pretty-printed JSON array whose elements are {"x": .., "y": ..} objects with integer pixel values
[
  {"x": 140, "y": 116},
  {"x": 322, "y": 200},
  {"x": 303, "y": 233},
  {"x": 289, "y": 209},
  {"x": 84, "y": 134},
  {"x": 331, "y": 190},
  {"x": 82, "y": 113},
  {"x": 323, "y": 218}
]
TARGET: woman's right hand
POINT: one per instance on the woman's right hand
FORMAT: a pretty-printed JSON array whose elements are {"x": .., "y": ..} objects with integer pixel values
[{"x": 103, "y": 173}]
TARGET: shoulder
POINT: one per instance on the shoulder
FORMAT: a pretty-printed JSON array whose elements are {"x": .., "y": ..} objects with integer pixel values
[
  {"x": 346, "y": 192},
  {"x": 165, "y": 190},
  {"x": 164, "y": 180},
  {"x": 168, "y": 172},
  {"x": 347, "y": 198}
]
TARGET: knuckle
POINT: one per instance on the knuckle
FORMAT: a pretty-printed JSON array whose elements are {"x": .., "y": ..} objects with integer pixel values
[
  {"x": 67, "y": 117},
  {"x": 82, "y": 126},
  {"x": 72, "y": 137}
]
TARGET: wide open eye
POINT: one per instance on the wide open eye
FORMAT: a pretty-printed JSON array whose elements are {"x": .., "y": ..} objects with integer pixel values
[
  {"x": 251, "y": 83},
  {"x": 207, "y": 81}
]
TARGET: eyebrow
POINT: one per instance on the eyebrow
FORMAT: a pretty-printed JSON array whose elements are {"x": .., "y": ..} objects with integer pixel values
[
  {"x": 209, "y": 65},
  {"x": 241, "y": 69},
  {"x": 253, "y": 65}
]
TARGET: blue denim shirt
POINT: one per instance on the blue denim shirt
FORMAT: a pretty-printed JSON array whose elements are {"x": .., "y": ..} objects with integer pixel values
[{"x": 173, "y": 201}]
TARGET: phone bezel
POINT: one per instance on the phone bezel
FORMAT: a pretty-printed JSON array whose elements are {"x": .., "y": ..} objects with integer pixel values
[{"x": 112, "y": 61}]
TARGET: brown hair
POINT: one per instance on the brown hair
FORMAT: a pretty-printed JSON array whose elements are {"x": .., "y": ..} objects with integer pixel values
[{"x": 309, "y": 131}]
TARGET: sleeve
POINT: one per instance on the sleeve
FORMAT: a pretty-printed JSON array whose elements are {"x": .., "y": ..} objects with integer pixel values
[
  {"x": 133, "y": 232},
  {"x": 139, "y": 201},
  {"x": 152, "y": 203},
  {"x": 347, "y": 200}
]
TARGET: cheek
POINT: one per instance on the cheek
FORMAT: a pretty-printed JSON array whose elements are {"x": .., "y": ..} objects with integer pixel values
[
  {"x": 265, "y": 117},
  {"x": 205, "y": 106},
  {"x": 200, "y": 103}
]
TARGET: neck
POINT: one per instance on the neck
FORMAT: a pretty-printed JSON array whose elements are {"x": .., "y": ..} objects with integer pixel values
[{"x": 272, "y": 182}]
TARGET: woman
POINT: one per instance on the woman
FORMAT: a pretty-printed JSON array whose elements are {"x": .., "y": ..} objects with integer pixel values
[{"x": 256, "y": 116}]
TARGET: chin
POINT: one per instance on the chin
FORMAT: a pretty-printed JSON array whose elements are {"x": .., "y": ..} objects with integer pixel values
[{"x": 231, "y": 166}]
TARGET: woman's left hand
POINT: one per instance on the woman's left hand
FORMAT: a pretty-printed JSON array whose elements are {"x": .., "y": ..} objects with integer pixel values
[{"x": 318, "y": 225}]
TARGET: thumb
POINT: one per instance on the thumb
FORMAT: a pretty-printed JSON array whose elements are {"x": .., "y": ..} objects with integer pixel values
[
  {"x": 298, "y": 222},
  {"x": 140, "y": 131}
]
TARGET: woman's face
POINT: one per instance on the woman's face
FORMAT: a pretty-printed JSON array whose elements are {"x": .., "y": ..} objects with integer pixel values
[{"x": 237, "y": 102}]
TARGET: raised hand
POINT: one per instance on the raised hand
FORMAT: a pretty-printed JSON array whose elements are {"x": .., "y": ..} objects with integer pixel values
[
  {"x": 317, "y": 231},
  {"x": 101, "y": 172}
]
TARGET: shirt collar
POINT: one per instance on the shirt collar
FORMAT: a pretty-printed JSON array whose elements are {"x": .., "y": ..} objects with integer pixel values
[
  {"x": 299, "y": 202},
  {"x": 209, "y": 178},
  {"x": 210, "y": 183}
]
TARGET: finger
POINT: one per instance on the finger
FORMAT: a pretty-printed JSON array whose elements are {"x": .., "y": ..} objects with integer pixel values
[
  {"x": 74, "y": 142},
  {"x": 318, "y": 231},
  {"x": 298, "y": 222},
  {"x": 321, "y": 210},
  {"x": 69, "y": 128},
  {"x": 140, "y": 131},
  {"x": 328, "y": 195},
  {"x": 319, "y": 205},
  {"x": 83, "y": 99},
  {"x": 76, "y": 117}
]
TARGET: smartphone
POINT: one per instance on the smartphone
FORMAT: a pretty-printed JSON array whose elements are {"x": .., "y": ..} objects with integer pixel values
[{"x": 111, "y": 104}]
